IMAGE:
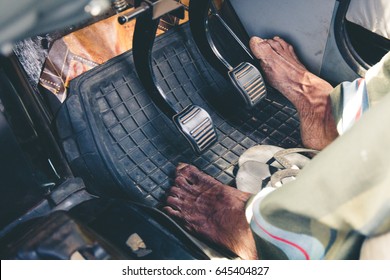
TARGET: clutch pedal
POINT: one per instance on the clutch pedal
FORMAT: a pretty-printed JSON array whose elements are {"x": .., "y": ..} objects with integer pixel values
[
  {"x": 193, "y": 122},
  {"x": 197, "y": 126},
  {"x": 249, "y": 82}
]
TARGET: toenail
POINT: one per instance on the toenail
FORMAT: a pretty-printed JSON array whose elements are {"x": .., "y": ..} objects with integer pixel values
[
  {"x": 181, "y": 165},
  {"x": 256, "y": 39}
]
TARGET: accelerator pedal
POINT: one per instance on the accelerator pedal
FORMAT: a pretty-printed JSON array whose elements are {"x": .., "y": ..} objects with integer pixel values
[
  {"x": 197, "y": 126},
  {"x": 249, "y": 82}
]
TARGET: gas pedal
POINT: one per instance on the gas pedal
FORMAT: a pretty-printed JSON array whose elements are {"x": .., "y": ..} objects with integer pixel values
[
  {"x": 197, "y": 126},
  {"x": 249, "y": 82}
]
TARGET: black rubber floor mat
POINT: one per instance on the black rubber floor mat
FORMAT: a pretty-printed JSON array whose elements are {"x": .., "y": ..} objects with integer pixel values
[{"x": 117, "y": 140}]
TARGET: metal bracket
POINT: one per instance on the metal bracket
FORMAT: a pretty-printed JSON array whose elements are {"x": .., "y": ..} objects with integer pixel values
[{"x": 159, "y": 8}]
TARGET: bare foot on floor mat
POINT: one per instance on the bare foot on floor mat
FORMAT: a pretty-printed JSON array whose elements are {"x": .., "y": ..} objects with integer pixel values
[
  {"x": 211, "y": 210},
  {"x": 308, "y": 93}
]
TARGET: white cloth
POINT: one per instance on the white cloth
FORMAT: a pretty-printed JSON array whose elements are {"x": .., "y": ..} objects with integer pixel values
[
  {"x": 373, "y": 15},
  {"x": 376, "y": 248}
]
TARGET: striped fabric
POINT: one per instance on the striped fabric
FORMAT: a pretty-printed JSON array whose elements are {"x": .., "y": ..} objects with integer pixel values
[
  {"x": 294, "y": 245},
  {"x": 355, "y": 103},
  {"x": 343, "y": 195}
]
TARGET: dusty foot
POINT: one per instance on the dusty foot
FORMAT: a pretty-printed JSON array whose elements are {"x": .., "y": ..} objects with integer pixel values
[
  {"x": 211, "y": 210},
  {"x": 308, "y": 93}
]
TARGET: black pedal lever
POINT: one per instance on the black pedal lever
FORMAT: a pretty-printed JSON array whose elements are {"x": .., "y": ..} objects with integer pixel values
[
  {"x": 246, "y": 78},
  {"x": 193, "y": 122}
]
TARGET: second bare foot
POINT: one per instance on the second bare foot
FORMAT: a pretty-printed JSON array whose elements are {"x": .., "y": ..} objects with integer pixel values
[
  {"x": 308, "y": 93},
  {"x": 211, "y": 210}
]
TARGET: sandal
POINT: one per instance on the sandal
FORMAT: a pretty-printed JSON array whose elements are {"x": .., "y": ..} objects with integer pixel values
[{"x": 264, "y": 165}]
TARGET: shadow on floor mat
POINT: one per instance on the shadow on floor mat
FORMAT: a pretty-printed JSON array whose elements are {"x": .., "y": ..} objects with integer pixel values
[{"x": 117, "y": 140}]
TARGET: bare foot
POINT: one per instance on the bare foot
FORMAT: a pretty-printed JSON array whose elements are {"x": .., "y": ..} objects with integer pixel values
[
  {"x": 211, "y": 210},
  {"x": 308, "y": 93}
]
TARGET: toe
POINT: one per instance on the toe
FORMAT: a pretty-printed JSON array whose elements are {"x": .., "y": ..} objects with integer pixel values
[
  {"x": 190, "y": 173},
  {"x": 179, "y": 192},
  {"x": 276, "y": 45},
  {"x": 172, "y": 212},
  {"x": 187, "y": 190},
  {"x": 178, "y": 216},
  {"x": 183, "y": 169},
  {"x": 174, "y": 202},
  {"x": 182, "y": 182},
  {"x": 259, "y": 47},
  {"x": 293, "y": 54},
  {"x": 181, "y": 165},
  {"x": 198, "y": 181},
  {"x": 174, "y": 191},
  {"x": 282, "y": 42},
  {"x": 256, "y": 40}
]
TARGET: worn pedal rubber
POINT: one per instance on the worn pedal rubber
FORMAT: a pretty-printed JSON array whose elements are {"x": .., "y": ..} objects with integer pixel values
[
  {"x": 249, "y": 83},
  {"x": 197, "y": 126}
]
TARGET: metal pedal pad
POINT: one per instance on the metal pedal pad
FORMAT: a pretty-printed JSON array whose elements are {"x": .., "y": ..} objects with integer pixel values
[
  {"x": 197, "y": 126},
  {"x": 249, "y": 82}
]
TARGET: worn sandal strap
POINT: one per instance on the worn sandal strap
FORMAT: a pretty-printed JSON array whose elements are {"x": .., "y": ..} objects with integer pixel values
[
  {"x": 282, "y": 174},
  {"x": 280, "y": 156}
]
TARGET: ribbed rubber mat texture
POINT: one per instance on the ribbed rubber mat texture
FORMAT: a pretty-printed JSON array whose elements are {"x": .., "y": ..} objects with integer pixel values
[{"x": 113, "y": 134}]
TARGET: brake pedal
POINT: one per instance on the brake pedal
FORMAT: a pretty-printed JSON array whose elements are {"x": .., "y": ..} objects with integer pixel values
[
  {"x": 197, "y": 126},
  {"x": 249, "y": 82}
]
